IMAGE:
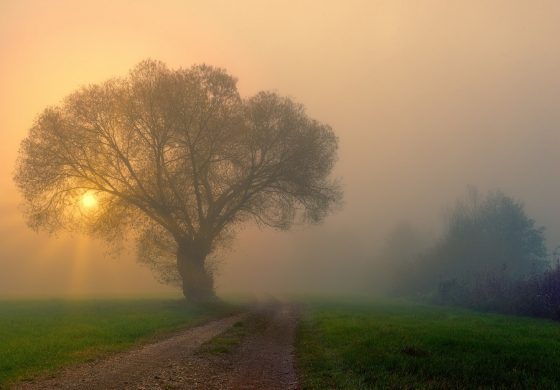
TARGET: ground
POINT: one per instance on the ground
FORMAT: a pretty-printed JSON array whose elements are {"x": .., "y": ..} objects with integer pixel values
[
  {"x": 198, "y": 358},
  {"x": 401, "y": 345},
  {"x": 41, "y": 336},
  {"x": 322, "y": 345}
]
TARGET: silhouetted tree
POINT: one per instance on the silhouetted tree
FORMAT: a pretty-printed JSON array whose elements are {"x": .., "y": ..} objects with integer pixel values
[
  {"x": 177, "y": 160},
  {"x": 487, "y": 234}
]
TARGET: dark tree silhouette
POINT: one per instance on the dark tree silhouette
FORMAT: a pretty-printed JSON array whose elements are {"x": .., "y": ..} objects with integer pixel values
[
  {"x": 485, "y": 235},
  {"x": 176, "y": 160}
]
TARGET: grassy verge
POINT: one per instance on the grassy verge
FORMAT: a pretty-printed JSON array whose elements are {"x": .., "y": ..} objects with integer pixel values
[
  {"x": 400, "y": 346},
  {"x": 231, "y": 339},
  {"x": 225, "y": 342},
  {"x": 38, "y": 337}
]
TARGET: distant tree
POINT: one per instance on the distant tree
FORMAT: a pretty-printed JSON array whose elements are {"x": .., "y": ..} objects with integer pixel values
[
  {"x": 176, "y": 160},
  {"x": 484, "y": 234}
]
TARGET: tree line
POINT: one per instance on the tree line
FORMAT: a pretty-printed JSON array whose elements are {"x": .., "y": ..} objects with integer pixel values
[{"x": 490, "y": 256}]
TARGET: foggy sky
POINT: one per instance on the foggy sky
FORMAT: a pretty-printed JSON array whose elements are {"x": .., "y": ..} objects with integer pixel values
[{"x": 426, "y": 97}]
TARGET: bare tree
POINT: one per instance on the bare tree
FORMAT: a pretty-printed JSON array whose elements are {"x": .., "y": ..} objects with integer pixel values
[{"x": 176, "y": 160}]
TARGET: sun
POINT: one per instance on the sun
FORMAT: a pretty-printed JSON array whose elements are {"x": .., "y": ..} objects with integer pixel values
[{"x": 89, "y": 201}]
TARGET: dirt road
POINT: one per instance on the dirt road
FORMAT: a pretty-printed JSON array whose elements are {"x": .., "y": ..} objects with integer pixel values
[{"x": 260, "y": 358}]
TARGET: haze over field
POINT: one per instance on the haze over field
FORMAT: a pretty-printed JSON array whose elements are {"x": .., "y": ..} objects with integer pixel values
[{"x": 425, "y": 98}]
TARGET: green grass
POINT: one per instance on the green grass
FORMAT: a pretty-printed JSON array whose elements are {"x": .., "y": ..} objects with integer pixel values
[
  {"x": 38, "y": 337},
  {"x": 225, "y": 342},
  {"x": 406, "y": 346}
]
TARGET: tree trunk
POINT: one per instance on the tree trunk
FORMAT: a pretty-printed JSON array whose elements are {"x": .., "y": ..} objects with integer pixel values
[{"x": 198, "y": 283}]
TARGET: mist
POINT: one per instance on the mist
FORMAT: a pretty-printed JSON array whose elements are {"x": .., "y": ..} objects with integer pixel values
[{"x": 426, "y": 99}]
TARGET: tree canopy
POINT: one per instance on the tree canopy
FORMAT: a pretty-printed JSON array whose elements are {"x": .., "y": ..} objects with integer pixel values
[
  {"x": 483, "y": 235},
  {"x": 486, "y": 233},
  {"x": 177, "y": 160}
]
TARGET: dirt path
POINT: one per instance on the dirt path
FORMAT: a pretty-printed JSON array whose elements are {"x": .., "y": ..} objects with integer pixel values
[
  {"x": 266, "y": 358},
  {"x": 261, "y": 359}
]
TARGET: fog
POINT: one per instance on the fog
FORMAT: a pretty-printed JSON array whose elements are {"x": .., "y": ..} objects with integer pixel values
[{"x": 425, "y": 97}]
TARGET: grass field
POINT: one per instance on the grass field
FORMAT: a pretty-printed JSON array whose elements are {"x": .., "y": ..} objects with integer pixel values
[
  {"x": 41, "y": 336},
  {"x": 400, "y": 346}
]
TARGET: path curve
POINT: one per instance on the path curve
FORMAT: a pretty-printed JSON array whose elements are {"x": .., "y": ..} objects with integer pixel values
[
  {"x": 264, "y": 359},
  {"x": 129, "y": 368}
]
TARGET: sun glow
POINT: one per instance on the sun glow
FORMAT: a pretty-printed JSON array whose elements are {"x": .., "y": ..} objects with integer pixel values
[{"x": 89, "y": 201}]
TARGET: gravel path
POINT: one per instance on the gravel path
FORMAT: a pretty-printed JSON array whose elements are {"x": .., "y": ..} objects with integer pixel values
[
  {"x": 125, "y": 369},
  {"x": 262, "y": 360},
  {"x": 266, "y": 359}
]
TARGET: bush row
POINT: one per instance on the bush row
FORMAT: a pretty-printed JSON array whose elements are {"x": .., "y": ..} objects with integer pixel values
[{"x": 537, "y": 295}]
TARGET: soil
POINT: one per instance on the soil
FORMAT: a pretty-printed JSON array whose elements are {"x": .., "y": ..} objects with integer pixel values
[{"x": 260, "y": 357}]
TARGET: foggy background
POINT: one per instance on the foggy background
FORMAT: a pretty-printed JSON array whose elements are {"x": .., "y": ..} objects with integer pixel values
[{"x": 425, "y": 96}]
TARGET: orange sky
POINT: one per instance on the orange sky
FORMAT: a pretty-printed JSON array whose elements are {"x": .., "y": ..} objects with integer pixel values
[{"x": 425, "y": 96}]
